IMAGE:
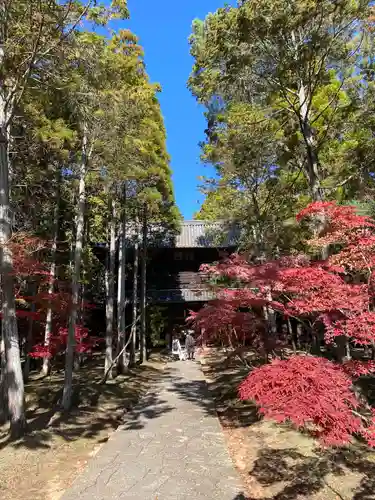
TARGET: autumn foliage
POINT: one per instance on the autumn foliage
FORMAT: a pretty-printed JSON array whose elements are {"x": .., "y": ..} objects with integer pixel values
[
  {"x": 30, "y": 268},
  {"x": 308, "y": 391},
  {"x": 332, "y": 299},
  {"x": 84, "y": 343}
]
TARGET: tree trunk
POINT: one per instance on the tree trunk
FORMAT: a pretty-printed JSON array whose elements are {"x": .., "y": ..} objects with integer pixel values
[
  {"x": 82, "y": 289},
  {"x": 270, "y": 316},
  {"x": 121, "y": 299},
  {"x": 143, "y": 346},
  {"x": 72, "y": 245},
  {"x": 29, "y": 340},
  {"x": 342, "y": 350},
  {"x": 312, "y": 161},
  {"x": 82, "y": 294},
  {"x": 13, "y": 370},
  {"x": 135, "y": 301},
  {"x": 46, "y": 368},
  {"x": 315, "y": 341},
  {"x": 299, "y": 332},
  {"x": 120, "y": 337},
  {"x": 110, "y": 288},
  {"x": 291, "y": 335},
  {"x": 303, "y": 114},
  {"x": 3, "y": 388},
  {"x": 69, "y": 357}
]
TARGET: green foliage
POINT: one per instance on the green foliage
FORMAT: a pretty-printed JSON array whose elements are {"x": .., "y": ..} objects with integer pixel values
[
  {"x": 79, "y": 82},
  {"x": 288, "y": 91}
]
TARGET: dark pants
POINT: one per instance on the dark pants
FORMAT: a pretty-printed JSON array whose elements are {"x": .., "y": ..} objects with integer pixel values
[{"x": 190, "y": 352}]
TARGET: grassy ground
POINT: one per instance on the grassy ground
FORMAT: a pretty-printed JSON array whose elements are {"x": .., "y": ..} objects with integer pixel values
[
  {"x": 44, "y": 463},
  {"x": 276, "y": 462}
]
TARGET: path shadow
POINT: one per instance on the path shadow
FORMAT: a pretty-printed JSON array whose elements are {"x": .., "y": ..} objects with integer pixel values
[
  {"x": 153, "y": 405},
  {"x": 218, "y": 397},
  {"x": 194, "y": 391},
  {"x": 97, "y": 407},
  {"x": 302, "y": 476},
  {"x": 150, "y": 407}
]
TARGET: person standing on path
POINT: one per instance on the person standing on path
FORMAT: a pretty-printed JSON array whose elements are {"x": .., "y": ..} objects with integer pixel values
[{"x": 190, "y": 345}]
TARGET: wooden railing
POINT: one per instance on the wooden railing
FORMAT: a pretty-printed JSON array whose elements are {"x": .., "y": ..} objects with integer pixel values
[{"x": 180, "y": 295}]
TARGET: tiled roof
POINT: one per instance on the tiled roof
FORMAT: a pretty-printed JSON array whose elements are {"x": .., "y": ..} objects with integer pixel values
[
  {"x": 192, "y": 234},
  {"x": 198, "y": 234}
]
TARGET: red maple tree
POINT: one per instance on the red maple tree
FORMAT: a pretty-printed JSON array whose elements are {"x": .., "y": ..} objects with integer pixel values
[
  {"x": 334, "y": 295},
  {"x": 30, "y": 267},
  {"x": 84, "y": 343}
]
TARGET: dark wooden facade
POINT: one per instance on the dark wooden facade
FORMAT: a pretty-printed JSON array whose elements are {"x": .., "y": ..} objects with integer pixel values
[
  {"x": 173, "y": 274},
  {"x": 173, "y": 278}
]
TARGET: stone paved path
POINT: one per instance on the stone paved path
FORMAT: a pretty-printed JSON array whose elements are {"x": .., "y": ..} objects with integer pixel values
[{"x": 170, "y": 448}]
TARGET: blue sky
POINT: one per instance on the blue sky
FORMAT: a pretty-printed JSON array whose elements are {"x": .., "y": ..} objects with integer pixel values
[{"x": 163, "y": 28}]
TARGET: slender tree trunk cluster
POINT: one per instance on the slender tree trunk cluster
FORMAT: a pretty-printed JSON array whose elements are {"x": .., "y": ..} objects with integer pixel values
[
  {"x": 143, "y": 296},
  {"x": 133, "y": 332},
  {"x": 52, "y": 277},
  {"x": 127, "y": 340},
  {"x": 122, "y": 362},
  {"x": 110, "y": 289},
  {"x": 312, "y": 161},
  {"x": 63, "y": 94},
  {"x": 69, "y": 358},
  {"x": 30, "y": 337}
]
